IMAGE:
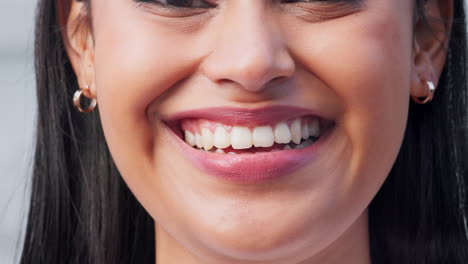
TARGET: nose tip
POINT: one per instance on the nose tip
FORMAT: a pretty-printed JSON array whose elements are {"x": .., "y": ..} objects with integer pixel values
[
  {"x": 248, "y": 53},
  {"x": 253, "y": 73}
]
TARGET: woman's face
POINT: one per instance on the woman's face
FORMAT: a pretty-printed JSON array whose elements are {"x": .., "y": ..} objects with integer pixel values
[{"x": 240, "y": 73}]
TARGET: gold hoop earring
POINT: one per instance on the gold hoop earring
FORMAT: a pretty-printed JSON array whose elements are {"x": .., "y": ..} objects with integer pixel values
[
  {"x": 77, "y": 101},
  {"x": 431, "y": 89}
]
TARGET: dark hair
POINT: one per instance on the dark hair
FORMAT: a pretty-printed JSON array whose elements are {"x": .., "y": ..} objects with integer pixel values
[
  {"x": 419, "y": 214},
  {"x": 81, "y": 210}
]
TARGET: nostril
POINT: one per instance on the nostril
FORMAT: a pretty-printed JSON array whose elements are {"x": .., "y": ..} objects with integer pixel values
[
  {"x": 279, "y": 79},
  {"x": 254, "y": 85}
]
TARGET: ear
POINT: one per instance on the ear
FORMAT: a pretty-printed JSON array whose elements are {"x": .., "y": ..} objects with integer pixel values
[
  {"x": 78, "y": 40},
  {"x": 431, "y": 38}
]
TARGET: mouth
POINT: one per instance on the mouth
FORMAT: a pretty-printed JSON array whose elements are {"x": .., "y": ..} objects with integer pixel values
[
  {"x": 209, "y": 136},
  {"x": 249, "y": 146}
]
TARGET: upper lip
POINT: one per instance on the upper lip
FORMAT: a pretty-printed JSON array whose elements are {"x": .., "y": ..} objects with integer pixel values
[
  {"x": 254, "y": 168},
  {"x": 249, "y": 117}
]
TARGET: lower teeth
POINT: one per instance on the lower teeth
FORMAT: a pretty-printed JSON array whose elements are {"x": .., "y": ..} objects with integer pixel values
[{"x": 304, "y": 144}]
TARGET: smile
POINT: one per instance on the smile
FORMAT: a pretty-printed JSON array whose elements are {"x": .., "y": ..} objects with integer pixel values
[
  {"x": 264, "y": 143},
  {"x": 216, "y": 137}
]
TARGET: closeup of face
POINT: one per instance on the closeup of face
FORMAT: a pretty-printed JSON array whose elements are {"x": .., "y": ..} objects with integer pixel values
[{"x": 254, "y": 131}]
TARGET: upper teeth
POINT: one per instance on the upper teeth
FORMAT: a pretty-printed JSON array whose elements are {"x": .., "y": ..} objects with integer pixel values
[
  {"x": 263, "y": 136},
  {"x": 239, "y": 137}
]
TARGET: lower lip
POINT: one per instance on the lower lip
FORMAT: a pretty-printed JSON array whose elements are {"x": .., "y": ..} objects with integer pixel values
[{"x": 249, "y": 168}]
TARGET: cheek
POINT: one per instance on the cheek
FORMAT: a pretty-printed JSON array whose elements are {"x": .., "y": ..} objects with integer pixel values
[
  {"x": 376, "y": 93},
  {"x": 366, "y": 62},
  {"x": 134, "y": 65}
]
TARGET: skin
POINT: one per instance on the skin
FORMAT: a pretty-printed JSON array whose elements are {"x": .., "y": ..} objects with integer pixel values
[{"x": 358, "y": 63}]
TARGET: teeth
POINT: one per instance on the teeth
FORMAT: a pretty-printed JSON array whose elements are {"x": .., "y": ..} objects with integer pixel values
[
  {"x": 282, "y": 133},
  {"x": 198, "y": 141},
  {"x": 220, "y": 151},
  {"x": 221, "y": 138},
  {"x": 305, "y": 131},
  {"x": 296, "y": 131},
  {"x": 263, "y": 137},
  {"x": 189, "y": 138},
  {"x": 304, "y": 144},
  {"x": 207, "y": 139},
  {"x": 241, "y": 138},
  {"x": 287, "y": 147},
  {"x": 232, "y": 153},
  {"x": 314, "y": 128}
]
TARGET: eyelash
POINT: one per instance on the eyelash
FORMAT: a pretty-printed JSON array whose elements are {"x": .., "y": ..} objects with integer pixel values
[
  {"x": 172, "y": 6},
  {"x": 208, "y": 4}
]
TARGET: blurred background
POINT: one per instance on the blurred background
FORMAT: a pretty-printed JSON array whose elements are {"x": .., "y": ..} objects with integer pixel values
[
  {"x": 17, "y": 121},
  {"x": 17, "y": 115}
]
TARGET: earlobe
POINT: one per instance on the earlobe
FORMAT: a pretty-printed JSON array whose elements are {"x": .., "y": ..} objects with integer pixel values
[
  {"x": 86, "y": 64},
  {"x": 424, "y": 76},
  {"x": 431, "y": 38},
  {"x": 79, "y": 44}
]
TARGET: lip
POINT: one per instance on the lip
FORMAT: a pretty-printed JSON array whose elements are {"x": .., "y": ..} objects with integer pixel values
[
  {"x": 246, "y": 168},
  {"x": 235, "y": 116}
]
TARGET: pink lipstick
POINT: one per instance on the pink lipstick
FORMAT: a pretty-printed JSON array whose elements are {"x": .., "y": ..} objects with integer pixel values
[{"x": 249, "y": 146}]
